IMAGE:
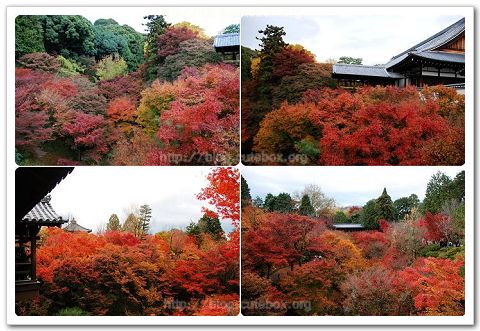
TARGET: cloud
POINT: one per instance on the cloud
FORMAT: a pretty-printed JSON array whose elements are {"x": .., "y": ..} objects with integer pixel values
[
  {"x": 375, "y": 38},
  {"x": 92, "y": 194}
]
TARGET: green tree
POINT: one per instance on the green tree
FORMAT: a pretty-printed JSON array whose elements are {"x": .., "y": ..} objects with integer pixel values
[
  {"x": 154, "y": 27},
  {"x": 68, "y": 35},
  {"x": 282, "y": 203},
  {"x": 28, "y": 35},
  {"x": 306, "y": 207},
  {"x": 438, "y": 192},
  {"x": 271, "y": 44},
  {"x": 340, "y": 217},
  {"x": 112, "y": 38},
  {"x": 211, "y": 226},
  {"x": 369, "y": 215},
  {"x": 350, "y": 60},
  {"x": 232, "y": 28},
  {"x": 193, "y": 229},
  {"x": 208, "y": 225},
  {"x": 245, "y": 191},
  {"x": 246, "y": 66},
  {"x": 404, "y": 206},
  {"x": 386, "y": 210},
  {"x": 145, "y": 216},
  {"x": 111, "y": 67},
  {"x": 113, "y": 223}
]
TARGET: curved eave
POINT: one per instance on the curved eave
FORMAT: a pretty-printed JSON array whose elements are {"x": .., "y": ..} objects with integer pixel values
[{"x": 413, "y": 58}]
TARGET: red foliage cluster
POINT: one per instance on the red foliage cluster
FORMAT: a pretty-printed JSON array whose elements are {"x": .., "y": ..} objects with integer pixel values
[
  {"x": 169, "y": 273},
  {"x": 169, "y": 42},
  {"x": 201, "y": 120},
  {"x": 307, "y": 269},
  {"x": 373, "y": 126}
]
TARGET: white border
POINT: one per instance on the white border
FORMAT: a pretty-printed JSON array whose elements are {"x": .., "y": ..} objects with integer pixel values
[{"x": 467, "y": 319}]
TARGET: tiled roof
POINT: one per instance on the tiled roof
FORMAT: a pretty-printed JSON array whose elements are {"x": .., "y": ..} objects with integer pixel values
[
  {"x": 442, "y": 56},
  {"x": 43, "y": 214},
  {"x": 437, "y": 40},
  {"x": 361, "y": 70},
  {"x": 348, "y": 226},
  {"x": 426, "y": 48},
  {"x": 227, "y": 40},
  {"x": 73, "y": 226},
  {"x": 432, "y": 55}
]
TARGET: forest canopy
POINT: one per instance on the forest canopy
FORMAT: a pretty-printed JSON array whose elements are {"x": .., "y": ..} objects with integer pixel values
[
  {"x": 405, "y": 258},
  {"x": 103, "y": 93}
]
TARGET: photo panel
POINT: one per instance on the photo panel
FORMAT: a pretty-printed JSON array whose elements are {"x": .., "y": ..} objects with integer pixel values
[
  {"x": 159, "y": 242},
  {"x": 367, "y": 241},
  {"x": 141, "y": 88},
  {"x": 353, "y": 89}
]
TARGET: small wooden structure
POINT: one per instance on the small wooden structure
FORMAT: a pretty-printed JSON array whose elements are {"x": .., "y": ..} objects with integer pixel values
[
  {"x": 438, "y": 60},
  {"x": 32, "y": 211},
  {"x": 228, "y": 44}
]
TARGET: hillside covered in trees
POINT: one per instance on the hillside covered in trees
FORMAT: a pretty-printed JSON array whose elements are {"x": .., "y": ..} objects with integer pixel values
[
  {"x": 408, "y": 259},
  {"x": 104, "y": 93},
  {"x": 125, "y": 270},
  {"x": 294, "y": 114}
]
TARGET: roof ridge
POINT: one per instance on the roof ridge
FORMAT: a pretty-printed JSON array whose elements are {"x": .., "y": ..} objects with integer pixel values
[
  {"x": 361, "y": 65},
  {"x": 462, "y": 20}
]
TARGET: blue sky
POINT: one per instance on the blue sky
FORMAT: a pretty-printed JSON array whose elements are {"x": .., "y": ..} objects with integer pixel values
[
  {"x": 375, "y": 38},
  {"x": 347, "y": 185}
]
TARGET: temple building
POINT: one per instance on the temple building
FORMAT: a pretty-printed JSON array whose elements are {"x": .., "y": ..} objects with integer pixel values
[
  {"x": 32, "y": 211},
  {"x": 438, "y": 60},
  {"x": 228, "y": 44},
  {"x": 348, "y": 227},
  {"x": 73, "y": 226}
]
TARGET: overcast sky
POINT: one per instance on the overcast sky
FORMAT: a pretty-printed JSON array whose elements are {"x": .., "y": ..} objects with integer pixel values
[
  {"x": 92, "y": 194},
  {"x": 212, "y": 20},
  {"x": 347, "y": 185},
  {"x": 374, "y": 38}
]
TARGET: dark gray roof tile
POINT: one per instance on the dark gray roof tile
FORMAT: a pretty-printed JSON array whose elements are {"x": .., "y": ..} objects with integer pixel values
[{"x": 361, "y": 70}]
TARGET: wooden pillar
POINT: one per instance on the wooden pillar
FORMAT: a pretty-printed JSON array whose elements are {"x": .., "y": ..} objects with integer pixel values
[{"x": 33, "y": 257}]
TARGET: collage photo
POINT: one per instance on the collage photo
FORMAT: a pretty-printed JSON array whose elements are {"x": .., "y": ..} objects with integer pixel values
[{"x": 240, "y": 165}]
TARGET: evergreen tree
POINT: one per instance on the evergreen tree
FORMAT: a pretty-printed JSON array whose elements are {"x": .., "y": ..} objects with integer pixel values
[
  {"x": 386, "y": 210},
  {"x": 282, "y": 203},
  {"x": 369, "y": 215},
  {"x": 271, "y": 44},
  {"x": 155, "y": 26},
  {"x": 28, "y": 35},
  {"x": 113, "y": 223},
  {"x": 340, "y": 217},
  {"x": 437, "y": 192},
  {"x": 145, "y": 215},
  {"x": 211, "y": 226},
  {"x": 306, "y": 207},
  {"x": 245, "y": 191},
  {"x": 193, "y": 229},
  {"x": 405, "y": 205},
  {"x": 208, "y": 225}
]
